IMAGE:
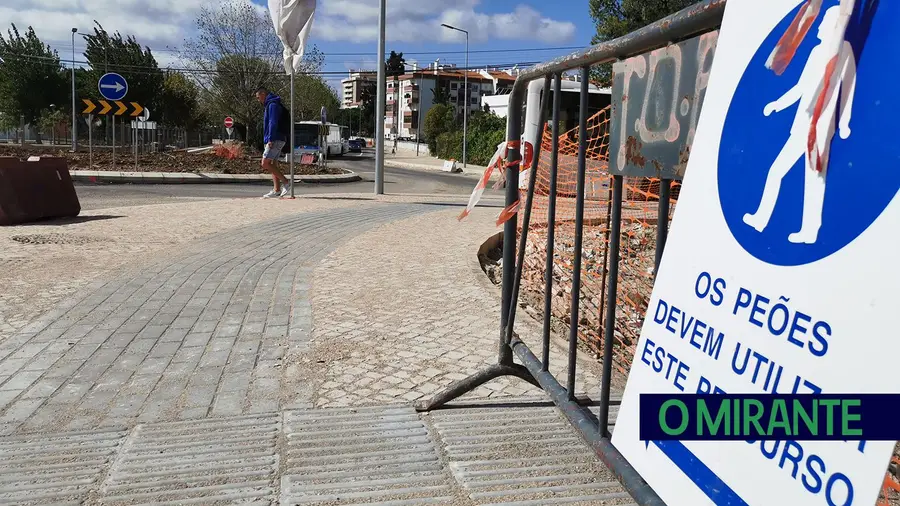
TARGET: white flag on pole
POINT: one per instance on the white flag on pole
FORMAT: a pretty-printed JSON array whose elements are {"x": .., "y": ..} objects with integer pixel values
[{"x": 293, "y": 21}]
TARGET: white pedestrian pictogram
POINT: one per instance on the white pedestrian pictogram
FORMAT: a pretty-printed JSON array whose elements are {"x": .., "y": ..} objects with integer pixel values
[{"x": 814, "y": 124}]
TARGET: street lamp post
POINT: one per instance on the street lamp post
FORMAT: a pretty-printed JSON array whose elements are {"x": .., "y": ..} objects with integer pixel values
[
  {"x": 380, "y": 106},
  {"x": 74, "y": 121},
  {"x": 465, "y": 91}
]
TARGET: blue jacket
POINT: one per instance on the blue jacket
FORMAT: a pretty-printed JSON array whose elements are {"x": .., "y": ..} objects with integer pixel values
[{"x": 271, "y": 117}]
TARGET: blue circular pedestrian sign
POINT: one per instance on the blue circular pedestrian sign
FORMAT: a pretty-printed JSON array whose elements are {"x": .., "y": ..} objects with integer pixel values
[
  {"x": 783, "y": 206},
  {"x": 112, "y": 86}
]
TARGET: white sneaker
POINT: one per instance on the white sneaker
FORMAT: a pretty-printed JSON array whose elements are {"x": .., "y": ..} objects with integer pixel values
[
  {"x": 271, "y": 195},
  {"x": 285, "y": 190}
]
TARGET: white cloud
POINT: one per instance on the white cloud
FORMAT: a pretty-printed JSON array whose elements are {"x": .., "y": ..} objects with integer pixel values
[
  {"x": 163, "y": 24},
  {"x": 420, "y": 20}
]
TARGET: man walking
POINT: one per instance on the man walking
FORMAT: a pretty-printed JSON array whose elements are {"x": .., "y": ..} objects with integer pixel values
[{"x": 274, "y": 137}]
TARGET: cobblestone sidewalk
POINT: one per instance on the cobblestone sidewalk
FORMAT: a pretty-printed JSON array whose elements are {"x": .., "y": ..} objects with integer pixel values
[
  {"x": 402, "y": 311},
  {"x": 42, "y": 264},
  {"x": 199, "y": 333}
]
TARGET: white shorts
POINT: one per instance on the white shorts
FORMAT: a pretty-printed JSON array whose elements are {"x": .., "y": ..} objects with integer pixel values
[{"x": 273, "y": 152}]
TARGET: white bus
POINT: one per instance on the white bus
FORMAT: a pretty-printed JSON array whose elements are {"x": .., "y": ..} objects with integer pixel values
[{"x": 306, "y": 138}]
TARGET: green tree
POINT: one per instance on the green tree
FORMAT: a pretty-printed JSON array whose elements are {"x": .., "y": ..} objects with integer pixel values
[
  {"x": 439, "y": 119},
  {"x": 107, "y": 52},
  {"x": 235, "y": 50},
  {"x": 395, "y": 65},
  {"x": 615, "y": 18},
  {"x": 367, "y": 108},
  {"x": 31, "y": 77},
  {"x": 51, "y": 122},
  {"x": 441, "y": 95},
  {"x": 179, "y": 101}
]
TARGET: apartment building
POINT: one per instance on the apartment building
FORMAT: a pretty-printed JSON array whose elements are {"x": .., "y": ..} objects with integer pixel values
[
  {"x": 353, "y": 85},
  {"x": 411, "y": 95}
]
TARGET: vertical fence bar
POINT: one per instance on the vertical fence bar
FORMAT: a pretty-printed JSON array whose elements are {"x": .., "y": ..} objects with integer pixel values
[
  {"x": 513, "y": 155},
  {"x": 609, "y": 330},
  {"x": 579, "y": 230},
  {"x": 662, "y": 221},
  {"x": 551, "y": 222},
  {"x": 526, "y": 215}
]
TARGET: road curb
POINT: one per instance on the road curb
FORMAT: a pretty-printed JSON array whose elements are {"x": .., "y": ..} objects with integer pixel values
[
  {"x": 103, "y": 176},
  {"x": 415, "y": 166}
]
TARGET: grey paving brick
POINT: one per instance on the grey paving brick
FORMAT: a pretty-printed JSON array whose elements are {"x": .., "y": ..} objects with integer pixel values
[
  {"x": 197, "y": 339},
  {"x": 214, "y": 358},
  {"x": 152, "y": 332},
  {"x": 43, "y": 388},
  {"x": 21, "y": 381},
  {"x": 11, "y": 366},
  {"x": 64, "y": 368},
  {"x": 20, "y": 410}
]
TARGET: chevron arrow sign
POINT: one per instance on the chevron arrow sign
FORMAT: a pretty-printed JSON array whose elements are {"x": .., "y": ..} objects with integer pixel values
[{"x": 116, "y": 108}]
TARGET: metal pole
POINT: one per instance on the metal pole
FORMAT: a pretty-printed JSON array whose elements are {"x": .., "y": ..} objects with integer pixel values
[
  {"x": 134, "y": 140},
  {"x": 74, "y": 120},
  {"x": 419, "y": 114},
  {"x": 610, "y": 328},
  {"x": 466, "y": 98},
  {"x": 551, "y": 220},
  {"x": 379, "y": 113},
  {"x": 114, "y": 142},
  {"x": 292, "y": 129},
  {"x": 91, "y": 141},
  {"x": 513, "y": 155},
  {"x": 579, "y": 231}
]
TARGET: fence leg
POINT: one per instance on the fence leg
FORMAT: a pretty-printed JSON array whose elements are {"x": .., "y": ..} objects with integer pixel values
[
  {"x": 526, "y": 216},
  {"x": 551, "y": 223},
  {"x": 579, "y": 231},
  {"x": 609, "y": 330}
]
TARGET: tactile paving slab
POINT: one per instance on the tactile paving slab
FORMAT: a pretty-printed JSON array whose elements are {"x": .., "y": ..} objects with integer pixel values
[
  {"x": 522, "y": 453},
  {"x": 55, "y": 468},
  {"x": 382, "y": 456},
  {"x": 213, "y": 461}
]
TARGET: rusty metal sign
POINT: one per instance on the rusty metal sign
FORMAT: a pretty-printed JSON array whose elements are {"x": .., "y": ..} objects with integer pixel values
[{"x": 656, "y": 102}]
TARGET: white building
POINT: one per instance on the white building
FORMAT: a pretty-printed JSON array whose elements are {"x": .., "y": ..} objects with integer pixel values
[
  {"x": 352, "y": 87},
  {"x": 411, "y": 95},
  {"x": 569, "y": 103}
]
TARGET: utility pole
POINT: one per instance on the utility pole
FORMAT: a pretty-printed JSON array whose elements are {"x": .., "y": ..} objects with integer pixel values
[
  {"x": 419, "y": 113},
  {"x": 74, "y": 121},
  {"x": 379, "y": 113}
]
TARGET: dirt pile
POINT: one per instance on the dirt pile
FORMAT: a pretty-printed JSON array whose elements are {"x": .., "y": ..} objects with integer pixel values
[{"x": 172, "y": 161}]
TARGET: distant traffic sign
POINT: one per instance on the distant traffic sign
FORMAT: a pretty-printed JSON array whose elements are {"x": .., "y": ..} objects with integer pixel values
[
  {"x": 112, "y": 86},
  {"x": 229, "y": 122}
]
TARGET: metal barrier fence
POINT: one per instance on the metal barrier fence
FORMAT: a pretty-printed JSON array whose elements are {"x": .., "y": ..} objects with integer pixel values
[{"x": 702, "y": 17}]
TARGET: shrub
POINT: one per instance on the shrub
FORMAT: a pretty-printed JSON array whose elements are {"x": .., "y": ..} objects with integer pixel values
[
  {"x": 438, "y": 120},
  {"x": 449, "y": 145}
]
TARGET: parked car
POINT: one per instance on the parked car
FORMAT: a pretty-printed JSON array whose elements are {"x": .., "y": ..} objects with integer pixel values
[{"x": 354, "y": 146}]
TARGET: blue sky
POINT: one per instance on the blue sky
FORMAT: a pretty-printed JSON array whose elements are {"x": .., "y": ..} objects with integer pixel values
[
  {"x": 505, "y": 27},
  {"x": 345, "y": 30}
]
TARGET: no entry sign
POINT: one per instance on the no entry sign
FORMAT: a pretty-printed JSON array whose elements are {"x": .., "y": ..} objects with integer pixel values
[{"x": 229, "y": 122}]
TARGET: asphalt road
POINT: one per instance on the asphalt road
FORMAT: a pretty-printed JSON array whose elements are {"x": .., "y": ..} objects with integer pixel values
[{"x": 396, "y": 181}]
